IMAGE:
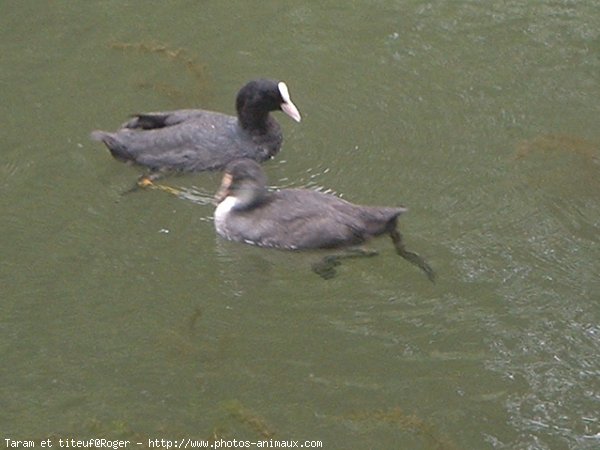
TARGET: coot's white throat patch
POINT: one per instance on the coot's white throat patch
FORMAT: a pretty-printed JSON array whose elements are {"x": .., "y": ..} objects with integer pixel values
[{"x": 221, "y": 212}]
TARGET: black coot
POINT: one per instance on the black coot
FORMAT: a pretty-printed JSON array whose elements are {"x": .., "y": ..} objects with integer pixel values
[
  {"x": 298, "y": 218},
  {"x": 196, "y": 140}
]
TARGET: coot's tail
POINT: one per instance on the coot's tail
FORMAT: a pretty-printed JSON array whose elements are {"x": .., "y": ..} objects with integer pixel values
[
  {"x": 379, "y": 220},
  {"x": 98, "y": 135},
  {"x": 117, "y": 149}
]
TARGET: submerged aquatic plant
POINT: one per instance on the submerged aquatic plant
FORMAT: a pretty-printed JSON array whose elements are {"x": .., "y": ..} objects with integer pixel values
[{"x": 179, "y": 56}]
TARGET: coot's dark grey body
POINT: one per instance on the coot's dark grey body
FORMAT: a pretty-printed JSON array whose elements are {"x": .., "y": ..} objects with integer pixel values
[
  {"x": 303, "y": 219},
  {"x": 196, "y": 140},
  {"x": 299, "y": 218}
]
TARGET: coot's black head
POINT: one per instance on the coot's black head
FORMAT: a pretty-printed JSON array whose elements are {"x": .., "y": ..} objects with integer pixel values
[
  {"x": 245, "y": 180},
  {"x": 258, "y": 97}
]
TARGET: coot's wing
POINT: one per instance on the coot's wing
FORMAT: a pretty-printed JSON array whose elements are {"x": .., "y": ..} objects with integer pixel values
[
  {"x": 189, "y": 146},
  {"x": 299, "y": 218},
  {"x": 154, "y": 120},
  {"x": 317, "y": 220},
  {"x": 322, "y": 231}
]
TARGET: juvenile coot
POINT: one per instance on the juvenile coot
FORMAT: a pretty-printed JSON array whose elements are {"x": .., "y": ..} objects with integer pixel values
[
  {"x": 195, "y": 139},
  {"x": 297, "y": 219}
]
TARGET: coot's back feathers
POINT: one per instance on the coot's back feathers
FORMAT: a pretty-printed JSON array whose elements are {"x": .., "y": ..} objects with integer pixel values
[{"x": 304, "y": 219}]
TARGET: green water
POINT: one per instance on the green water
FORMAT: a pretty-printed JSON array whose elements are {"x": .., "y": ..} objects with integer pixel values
[{"x": 125, "y": 316}]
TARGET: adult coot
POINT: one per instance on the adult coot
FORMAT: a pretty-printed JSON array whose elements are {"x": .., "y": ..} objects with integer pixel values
[
  {"x": 299, "y": 218},
  {"x": 196, "y": 140}
]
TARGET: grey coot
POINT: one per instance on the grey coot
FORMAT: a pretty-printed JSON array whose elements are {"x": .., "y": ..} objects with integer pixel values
[
  {"x": 195, "y": 140},
  {"x": 297, "y": 219}
]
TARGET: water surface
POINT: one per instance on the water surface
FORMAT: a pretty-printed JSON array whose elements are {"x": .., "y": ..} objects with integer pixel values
[{"x": 125, "y": 316}]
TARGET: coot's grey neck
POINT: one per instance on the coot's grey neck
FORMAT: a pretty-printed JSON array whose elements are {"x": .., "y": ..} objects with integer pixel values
[{"x": 250, "y": 195}]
